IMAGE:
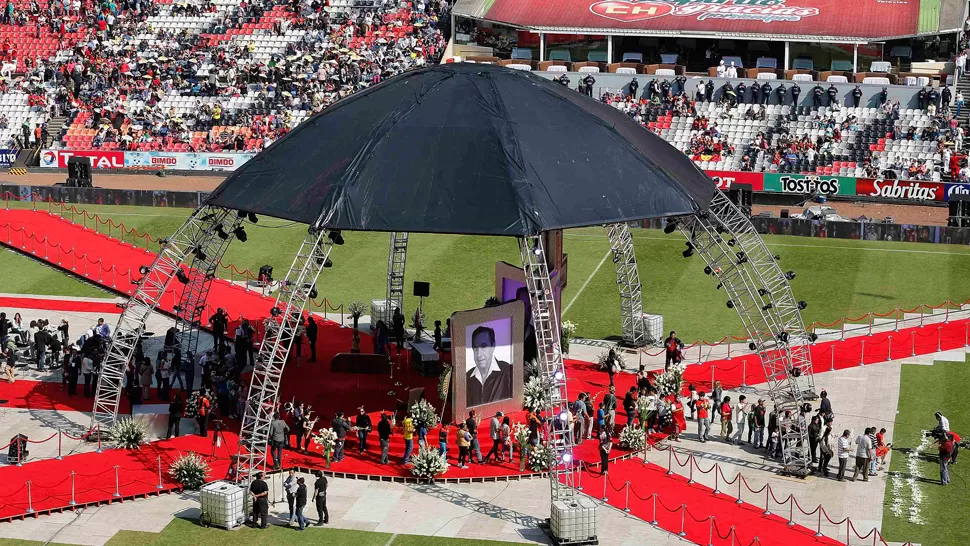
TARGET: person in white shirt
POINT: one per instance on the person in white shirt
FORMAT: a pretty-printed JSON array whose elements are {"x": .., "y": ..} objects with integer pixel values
[
  {"x": 942, "y": 423},
  {"x": 721, "y": 69},
  {"x": 732, "y": 72},
  {"x": 845, "y": 446},
  {"x": 740, "y": 418}
]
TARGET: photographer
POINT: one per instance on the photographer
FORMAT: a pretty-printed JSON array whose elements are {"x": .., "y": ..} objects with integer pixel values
[{"x": 947, "y": 448}]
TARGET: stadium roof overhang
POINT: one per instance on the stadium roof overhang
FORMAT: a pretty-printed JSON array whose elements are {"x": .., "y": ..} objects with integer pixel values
[{"x": 863, "y": 21}]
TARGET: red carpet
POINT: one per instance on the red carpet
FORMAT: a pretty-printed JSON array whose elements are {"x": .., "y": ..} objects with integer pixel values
[
  {"x": 673, "y": 492},
  {"x": 12, "y": 302}
]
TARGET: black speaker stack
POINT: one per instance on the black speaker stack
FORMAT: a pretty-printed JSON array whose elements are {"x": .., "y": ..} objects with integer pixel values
[
  {"x": 422, "y": 289},
  {"x": 740, "y": 195},
  {"x": 18, "y": 449},
  {"x": 79, "y": 172},
  {"x": 959, "y": 210}
]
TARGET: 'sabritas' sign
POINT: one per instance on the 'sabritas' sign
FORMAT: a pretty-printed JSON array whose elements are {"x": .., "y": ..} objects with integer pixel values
[{"x": 909, "y": 190}]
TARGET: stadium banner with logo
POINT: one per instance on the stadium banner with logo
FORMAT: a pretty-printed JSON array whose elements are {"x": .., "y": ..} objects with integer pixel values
[
  {"x": 904, "y": 190},
  {"x": 181, "y": 161},
  {"x": 821, "y": 18},
  {"x": 102, "y": 196},
  {"x": 100, "y": 159},
  {"x": 725, "y": 179},
  {"x": 186, "y": 161},
  {"x": 957, "y": 189},
  {"x": 8, "y": 156},
  {"x": 809, "y": 183}
]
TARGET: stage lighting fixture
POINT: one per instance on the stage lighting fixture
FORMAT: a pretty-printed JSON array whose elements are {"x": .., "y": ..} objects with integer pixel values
[
  {"x": 221, "y": 232},
  {"x": 790, "y": 275},
  {"x": 812, "y": 337},
  {"x": 719, "y": 285},
  {"x": 163, "y": 241},
  {"x": 777, "y": 258},
  {"x": 766, "y": 307},
  {"x": 558, "y": 376},
  {"x": 275, "y": 311},
  {"x": 707, "y": 270},
  {"x": 567, "y": 457},
  {"x": 537, "y": 250},
  {"x": 199, "y": 253},
  {"x": 762, "y": 292},
  {"x": 328, "y": 263},
  {"x": 335, "y": 237},
  {"x": 564, "y": 416},
  {"x": 730, "y": 304},
  {"x": 176, "y": 308},
  {"x": 742, "y": 257},
  {"x": 182, "y": 277},
  {"x": 252, "y": 218},
  {"x": 752, "y": 346},
  {"x": 688, "y": 253},
  {"x": 670, "y": 227},
  {"x": 703, "y": 215},
  {"x": 240, "y": 234},
  {"x": 241, "y": 213},
  {"x": 143, "y": 270},
  {"x": 313, "y": 292},
  {"x": 783, "y": 337},
  {"x": 802, "y": 304},
  {"x": 732, "y": 242}
]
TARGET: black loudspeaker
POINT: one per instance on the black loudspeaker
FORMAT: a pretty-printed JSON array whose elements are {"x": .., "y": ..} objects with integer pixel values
[
  {"x": 785, "y": 213},
  {"x": 422, "y": 289},
  {"x": 18, "y": 449},
  {"x": 959, "y": 210},
  {"x": 740, "y": 195},
  {"x": 79, "y": 169},
  {"x": 266, "y": 273}
]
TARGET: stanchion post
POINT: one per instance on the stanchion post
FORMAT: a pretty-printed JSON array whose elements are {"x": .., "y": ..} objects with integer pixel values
[
  {"x": 832, "y": 368},
  {"x": 842, "y": 330},
  {"x": 920, "y": 319},
  {"x": 73, "y": 500},
  {"x": 818, "y": 529},
  {"x": 791, "y": 510},
  {"x": 654, "y": 520},
  {"x": 889, "y": 356},
  {"x": 914, "y": 343},
  {"x": 714, "y": 367},
  {"x": 159, "y": 486},
  {"x": 59, "y": 456},
  {"x": 579, "y": 476},
  {"x": 683, "y": 520},
  {"x": 896, "y": 314},
  {"x": 966, "y": 337},
  {"x": 744, "y": 373},
  {"x": 870, "y": 324},
  {"x": 739, "y": 501},
  {"x": 862, "y": 353},
  {"x": 117, "y": 493},
  {"x": 710, "y": 531},
  {"x": 30, "y": 499},
  {"x": 717, "y": 470},
  {"x": 939, "y": 338},
  {"x": 767, "y": 512},
  {"x": 670, "y": 460},
  {"x": 729, "y": 348},
  {"x": 946, "y": 317},
  {"x": 626, "y": 506},
  {"x": 700, "y": 352}
]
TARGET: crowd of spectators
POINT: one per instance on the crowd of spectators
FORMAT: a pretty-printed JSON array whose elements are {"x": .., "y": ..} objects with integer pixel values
[{"x": 115, "y": 74}]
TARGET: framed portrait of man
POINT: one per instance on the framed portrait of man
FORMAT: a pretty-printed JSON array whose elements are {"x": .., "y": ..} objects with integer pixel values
[{"x": 487, "y": 358}]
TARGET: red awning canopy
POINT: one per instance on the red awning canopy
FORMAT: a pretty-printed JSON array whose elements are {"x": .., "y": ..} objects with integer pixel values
[{"x": 860, "y": 20}]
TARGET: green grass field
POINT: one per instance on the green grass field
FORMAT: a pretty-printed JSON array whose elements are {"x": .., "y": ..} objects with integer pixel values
[
  {"x": 182, "y": 532},
  {"x": 836, "y": 277},
  {"x": 925, "y": 390}
]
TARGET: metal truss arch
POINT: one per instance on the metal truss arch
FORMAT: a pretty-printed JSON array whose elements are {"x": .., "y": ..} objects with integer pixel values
[
  {"x": 200, "y": 227},
  {"x": 628, "y": 282},
  {"x": 757, "y": 289}
]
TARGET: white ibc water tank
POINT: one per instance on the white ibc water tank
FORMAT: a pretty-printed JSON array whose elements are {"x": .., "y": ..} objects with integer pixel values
[{"x": 223, "y": 504}]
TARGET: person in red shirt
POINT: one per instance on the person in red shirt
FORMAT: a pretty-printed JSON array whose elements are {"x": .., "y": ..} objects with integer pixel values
[
  {"x": 947, "y": 446},
  {"x": 956, "y": 447},
  {"x": 727, "y": 427}
]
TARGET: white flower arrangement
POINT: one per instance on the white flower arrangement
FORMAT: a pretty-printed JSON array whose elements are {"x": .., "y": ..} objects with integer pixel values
[
  {"x": 190, "y": 470},
  {"x": 671, "y": 381},
  {"x": 540, "y": 458},
  {"x": 520, "y": 431},
  {"x": 127, "y": 433},
  {"x": 604, "y": 357},
  {"x": 326, "y": 438},
  {"x": 444, "y": 382},
  {"x": 567, "y": 330},
  {"x": 535, "y": 394},
  {"x": 633, "y": 438},
  {"x": 423, "y": 412},
  {"x": 428, "y": 463}
]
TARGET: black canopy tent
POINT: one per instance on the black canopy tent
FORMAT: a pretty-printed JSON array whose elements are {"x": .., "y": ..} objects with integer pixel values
[{"x": 467, "y": 149}]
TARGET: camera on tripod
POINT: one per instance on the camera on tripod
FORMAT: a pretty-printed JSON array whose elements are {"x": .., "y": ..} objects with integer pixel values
[
  {"x": 217, "y": 425},
  {"x": 936, "y": 434}
]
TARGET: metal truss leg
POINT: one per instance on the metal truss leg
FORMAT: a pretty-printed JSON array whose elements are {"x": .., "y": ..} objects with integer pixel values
[
  {"x": 756, "y": 288},
  {"x": 546, "y": 322},
  {"x": 151, "y": 287},
  {"x": 291, "y": 301},
  {"x": 628, "y": 281},
  {"x": 190, "y": 310},
  {"x": 396, "y": 260}
]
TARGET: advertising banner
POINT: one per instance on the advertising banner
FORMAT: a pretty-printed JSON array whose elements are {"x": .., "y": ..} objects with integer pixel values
[
  {"x": 957, "y": 189},
  {"x": 807, "y": 184},
  {"x": 101, "y": 196},
  {"x": 725, "y": 179},
  {"x": 828, "y": 18},
  {"x": 100, "y": 159},
  {"x": 186, "y": 161},
  {"x": 7, "y": 157},
  {"x": 906, "y": 190}
]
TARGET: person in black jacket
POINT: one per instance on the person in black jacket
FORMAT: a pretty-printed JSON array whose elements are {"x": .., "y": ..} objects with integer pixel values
[
  {"x": 398, "y": 323},
  {"x": 301, "y": 503},
  {"x": 363, "y": 424},
  {"x": 817, "y": 95},
  {"x": 175, "y": 410},
  {"x": 921, "y": 96},
  {"x": 765, "y": 93},
  {"x": 41, "y": 339},
  {"x": 710, "y": 90},
  {"x": 946, "y": 95},
  {"x": 384, "y": 433},
  {"x": 833, "y": 93},
  {"x": 782, "y": 93},
  {"x": 755, "y": 93},
  {"x": 883, "y": 96},
  {"x": 634, "y": 85},
  {"x": 857, "y": 96},
  {"x": 740, "y": 90},
  {"x": 320, "y": 497},
  {"x": 219, "y": 322},
  {"x": 311, "y": 336},
  {"x": 588, "y": 81},
  {"x": 795, "y": 91}
]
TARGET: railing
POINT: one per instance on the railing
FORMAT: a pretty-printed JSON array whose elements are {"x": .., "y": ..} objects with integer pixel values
[
  {"x": 770, "y": 502},
  {"x": 59, "y": 435}
]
